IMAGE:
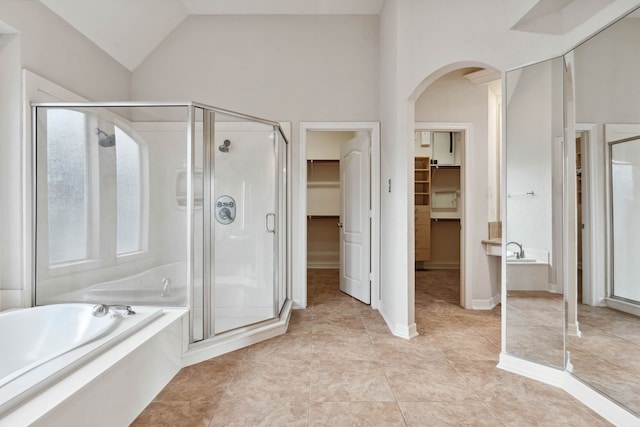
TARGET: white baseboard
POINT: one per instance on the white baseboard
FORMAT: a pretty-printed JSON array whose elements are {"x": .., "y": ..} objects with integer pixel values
[
  {"x": 10, "y": 298},
  {"x": 485, "y": 304},
  {"x": 623, "y": 306},
  {"x": 597, "y": 402},
  {"x": 297, "y": 305},
  {"x": 402, "y": 331},
  {"x": 554, "y": 288},
  {"x": 323, "y": 259},
  {"x": 573, "y": 329},
  {"x": 323, "y": 265},
  {"x": 428, "y": 265},
  {"x": 542, "y": 373}
]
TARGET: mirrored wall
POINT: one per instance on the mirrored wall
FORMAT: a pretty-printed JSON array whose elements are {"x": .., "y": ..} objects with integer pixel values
[
  {"x": 533, "y": 172},
  {"x": 572, "y": 206},
  {"x": 606, "y": 352}
]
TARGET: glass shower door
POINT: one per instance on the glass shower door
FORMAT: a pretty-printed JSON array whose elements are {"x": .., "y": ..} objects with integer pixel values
[
  {"x": 625, "y": 203},
  {"x": 244, "y": 201}
]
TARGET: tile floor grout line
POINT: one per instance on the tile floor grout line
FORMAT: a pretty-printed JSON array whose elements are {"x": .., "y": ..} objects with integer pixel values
[{"x": 437, "y": 314}]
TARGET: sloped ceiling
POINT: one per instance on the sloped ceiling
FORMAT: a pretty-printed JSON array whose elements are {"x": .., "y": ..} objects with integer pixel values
[
  {"x": 126, "y": 29},
  {"x": 129, "y": 30},
  {"x": 283, "y": 7},
  {"x": 558, "y": 16}
]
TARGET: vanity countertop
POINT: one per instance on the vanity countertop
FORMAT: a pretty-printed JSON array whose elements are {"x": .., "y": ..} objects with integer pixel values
[
  {"x": 493, "y": 247},
  {"x": 495, "y": 241}
]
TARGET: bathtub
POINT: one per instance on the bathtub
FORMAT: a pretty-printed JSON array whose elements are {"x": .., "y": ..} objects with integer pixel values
[
  {"x": 41, "y": 344},
  {"x": 144, "y": 288},
  {"x": 530, "y": 273}
]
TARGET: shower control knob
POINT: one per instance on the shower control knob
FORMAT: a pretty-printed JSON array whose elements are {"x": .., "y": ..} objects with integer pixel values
[{"x": 225, "y": 209}]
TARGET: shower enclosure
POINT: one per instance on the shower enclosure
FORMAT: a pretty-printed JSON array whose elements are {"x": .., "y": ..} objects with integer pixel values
[{"x": 163, "y": 204}]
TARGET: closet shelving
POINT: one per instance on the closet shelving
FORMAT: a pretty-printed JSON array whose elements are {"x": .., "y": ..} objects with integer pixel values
[{"x": 422, "y": 188}]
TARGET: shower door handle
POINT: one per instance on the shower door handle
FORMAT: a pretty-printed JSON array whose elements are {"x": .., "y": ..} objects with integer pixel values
[{"x": 270, "y": 225}]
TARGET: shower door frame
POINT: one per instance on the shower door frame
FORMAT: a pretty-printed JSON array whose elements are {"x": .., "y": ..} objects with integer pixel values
[
  {"x": 280, "y": 265},
  {"x": 614, "y": 134},
  {"x": 612, "y": 254}
]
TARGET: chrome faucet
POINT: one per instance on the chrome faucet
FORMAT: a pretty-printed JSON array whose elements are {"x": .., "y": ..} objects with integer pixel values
[
  {"x": 520, "y": 254},
  {"x": 166, "y": 290},
  {"x": 102, "y": 310}
]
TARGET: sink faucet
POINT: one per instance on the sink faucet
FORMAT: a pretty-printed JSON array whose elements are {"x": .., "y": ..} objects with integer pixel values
[
  {"x": 520, "y": 254},
  {"x": 166, "y": 290},
  {"x": 102, "y": 310}
]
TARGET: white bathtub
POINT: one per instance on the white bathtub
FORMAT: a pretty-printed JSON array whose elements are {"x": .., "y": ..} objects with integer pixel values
[
  {"x": 144, "y": 288},
  {"x": 41, "y": 344}
]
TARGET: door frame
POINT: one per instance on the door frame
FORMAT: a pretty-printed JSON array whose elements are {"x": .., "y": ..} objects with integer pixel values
[
  {"x": 466, "y": 292},
  {"x": 591, "y": 295},
  {"x": 299, "y": 288},
  {"x": 614, "y": 132}
]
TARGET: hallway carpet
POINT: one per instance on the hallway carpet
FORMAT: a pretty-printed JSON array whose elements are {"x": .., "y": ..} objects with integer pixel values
[{"x": 339, "y": 366}]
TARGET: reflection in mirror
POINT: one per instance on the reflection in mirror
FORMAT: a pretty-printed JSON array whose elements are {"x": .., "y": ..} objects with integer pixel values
[
  {"x": 535, "y": 304},
  {"x": 625, "y": 205},
  {"x": 606, "y": 353}
]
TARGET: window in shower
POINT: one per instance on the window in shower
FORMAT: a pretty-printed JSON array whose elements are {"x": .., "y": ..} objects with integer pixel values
[
  {"x": 129, "y": 194},
  {"x": 67, "y": 186},
  {"x": 96, "y": 202}
]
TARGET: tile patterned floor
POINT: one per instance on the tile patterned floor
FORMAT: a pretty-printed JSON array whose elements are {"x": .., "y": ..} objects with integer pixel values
[
  {"x": 605, "y": 356},
  {"x": 535, "y": 326},
  {"x": 339, "y": 366}
]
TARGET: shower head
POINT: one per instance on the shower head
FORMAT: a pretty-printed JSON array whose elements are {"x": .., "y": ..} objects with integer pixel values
[
  {"x": 104, "y": 139},
  {"x": 225, "y": 146}
]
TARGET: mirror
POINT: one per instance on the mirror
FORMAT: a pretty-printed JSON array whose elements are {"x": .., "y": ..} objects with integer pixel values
[
  {"x": 604, "y": 350},
  {"x": 533, "y": 237}
]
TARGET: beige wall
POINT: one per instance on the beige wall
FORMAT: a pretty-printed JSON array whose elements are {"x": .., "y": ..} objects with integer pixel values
[
  {"x": 289, "y": 68},
  {"x": 293, "y": 68},
  {"x": 53, "y": 49},
  {"x": 43, "y": 43},
  {"x": 419, "y": 42}
]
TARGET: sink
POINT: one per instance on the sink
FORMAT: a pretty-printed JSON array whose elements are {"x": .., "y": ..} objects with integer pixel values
[{"x": 513, "y": 260}]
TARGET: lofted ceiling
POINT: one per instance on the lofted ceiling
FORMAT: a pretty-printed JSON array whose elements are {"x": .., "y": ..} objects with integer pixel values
[
  {"x": 558, "y": 16},
  {"x": 129, "y": 30}
]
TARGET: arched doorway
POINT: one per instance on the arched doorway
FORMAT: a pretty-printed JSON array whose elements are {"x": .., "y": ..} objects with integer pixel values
[{"x": 458, "y": 105}]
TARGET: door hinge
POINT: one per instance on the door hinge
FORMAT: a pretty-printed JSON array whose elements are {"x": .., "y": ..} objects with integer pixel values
[
  {"x": 370, "y": 213},
  {"x": 370, "y": 276}
]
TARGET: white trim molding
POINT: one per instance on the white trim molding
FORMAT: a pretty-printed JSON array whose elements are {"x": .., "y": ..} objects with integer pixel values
[
  {"x": 299, "y": 222},
  {"x": 227, "y": 343},
  {"x": 593, "y": 240},
  {"x": 563, "y": 379},
  {"x": 466, "y": 245},
  {"x": 486, "y": 303},
  {"x": 399, "y": 330}
]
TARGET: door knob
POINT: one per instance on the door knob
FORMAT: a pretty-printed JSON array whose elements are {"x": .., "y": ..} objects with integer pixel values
[{"x": 339, "y": 224}]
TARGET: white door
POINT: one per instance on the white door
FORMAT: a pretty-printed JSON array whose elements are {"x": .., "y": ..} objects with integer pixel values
[{"x": 354, "y": 218}]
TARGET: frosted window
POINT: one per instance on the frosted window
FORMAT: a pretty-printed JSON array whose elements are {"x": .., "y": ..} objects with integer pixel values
[
  {"x": 67, "y": 186},
  {"x": 129, "y": 193}
]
